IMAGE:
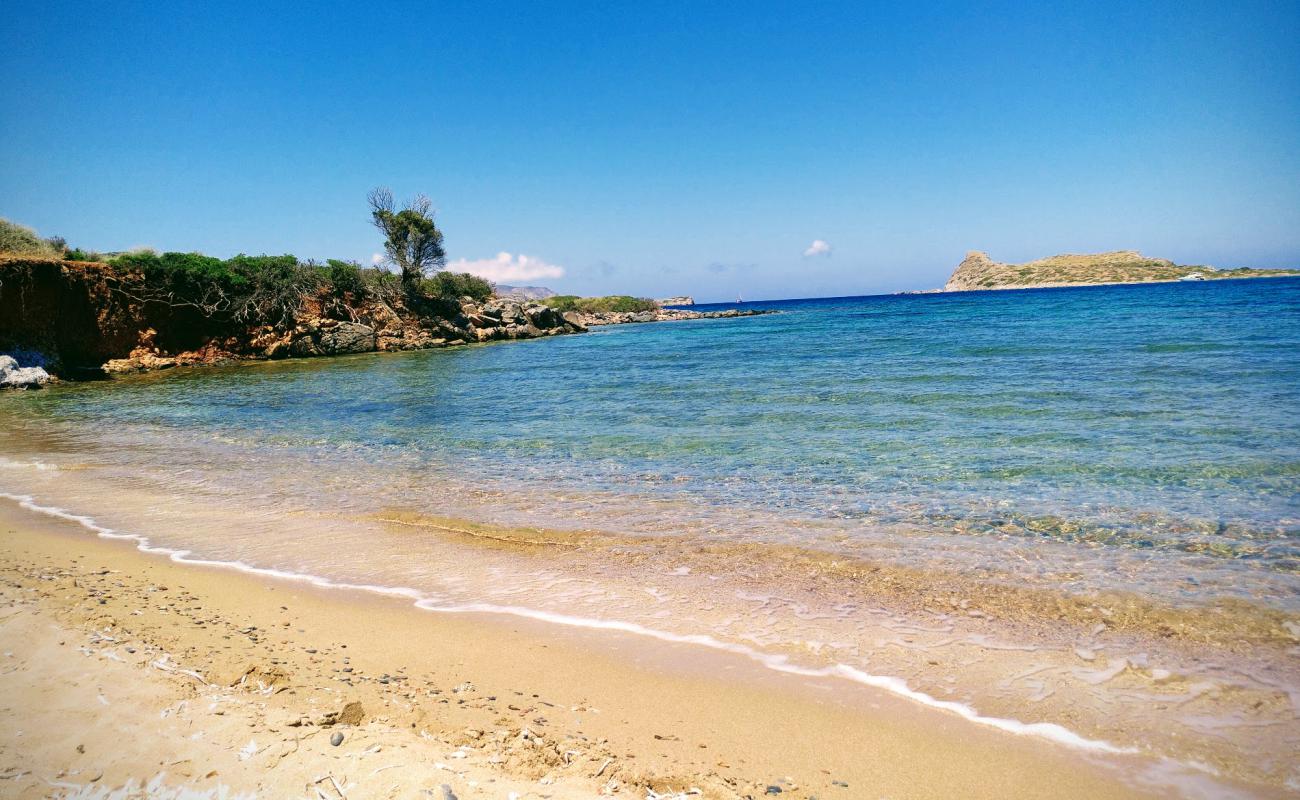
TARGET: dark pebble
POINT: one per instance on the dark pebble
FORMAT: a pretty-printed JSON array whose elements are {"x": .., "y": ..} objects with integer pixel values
[
  {"x": 337, "y": 738},
  {"x": 773, "y": 790}
]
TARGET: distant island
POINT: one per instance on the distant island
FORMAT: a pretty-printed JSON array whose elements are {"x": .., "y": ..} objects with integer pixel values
[
  {"x": 979, "y": 272},
  {"x": 682, "y": 300}
]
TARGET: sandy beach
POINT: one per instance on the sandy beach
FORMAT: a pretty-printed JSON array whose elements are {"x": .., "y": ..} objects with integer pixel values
[
  {"x": 343, "y": 454},
  {"x": 122, "y": 669}
]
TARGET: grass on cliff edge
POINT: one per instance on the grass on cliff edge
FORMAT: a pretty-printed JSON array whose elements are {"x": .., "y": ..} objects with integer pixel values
[
  {"x": 22, "y": 241},
  {"x": 595, "y": 305}
]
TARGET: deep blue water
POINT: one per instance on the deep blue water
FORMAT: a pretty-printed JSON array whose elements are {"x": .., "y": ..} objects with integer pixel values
[{"x": 1161, "y": 420}]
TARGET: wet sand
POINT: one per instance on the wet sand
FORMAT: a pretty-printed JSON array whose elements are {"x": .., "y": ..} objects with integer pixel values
[{"x": 118, "y": 666}]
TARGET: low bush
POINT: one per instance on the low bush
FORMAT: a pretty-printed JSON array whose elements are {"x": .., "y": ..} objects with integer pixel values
[
  {"x": 77, "y": 254},
  {"x": 345, "y": 277},
  {"x": 455, "y": 285},
  {"x": 251, "y": 290},
  {"x": 594, "y": 305}
]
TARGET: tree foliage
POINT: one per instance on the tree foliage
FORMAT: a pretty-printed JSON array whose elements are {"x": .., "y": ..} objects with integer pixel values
[
  {"x": 412, "y": 240},
  {"x": 345, "y": 277},
  {"x": 455, "y": 285}
]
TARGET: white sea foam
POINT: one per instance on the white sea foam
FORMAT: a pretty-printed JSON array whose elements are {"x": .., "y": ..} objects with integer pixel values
[
  {"x": 39, "y": 466},
  {"x": 897, "y": 686}
]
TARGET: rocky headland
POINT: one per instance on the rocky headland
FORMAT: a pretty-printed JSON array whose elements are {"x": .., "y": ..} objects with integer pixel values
[
  {"x": 76, "y": 319},
  {"x": 979, "y": 272}
]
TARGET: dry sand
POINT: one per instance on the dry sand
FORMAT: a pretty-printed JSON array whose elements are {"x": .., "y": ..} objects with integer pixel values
[{"x": 119, "y": 668}]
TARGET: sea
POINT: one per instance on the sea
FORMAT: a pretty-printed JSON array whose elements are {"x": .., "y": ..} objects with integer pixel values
[{"x": 1071, "y": 513}]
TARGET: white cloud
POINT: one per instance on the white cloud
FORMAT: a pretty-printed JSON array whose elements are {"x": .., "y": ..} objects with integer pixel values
[
  {"x": 817, "y": 248},
  {"x": 506, "y": 268},
  {"x": 377, "y": 258}
]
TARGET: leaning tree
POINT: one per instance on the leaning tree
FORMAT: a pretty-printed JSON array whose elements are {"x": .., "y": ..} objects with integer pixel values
[{"x": 411, "y": 238}]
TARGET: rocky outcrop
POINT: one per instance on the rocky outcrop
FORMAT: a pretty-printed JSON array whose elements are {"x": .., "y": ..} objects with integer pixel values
[
  {"x": 90, "y": 319},
  {"x": 664, "y": 315},
  {"x": 462, "y": 323},
  {"x": 13, "y": 376},
  {"x": 328, "y": 337},
  {"x": 575, "y": 321},
  {"x": 506, "y": 318},
  {"x": 979, "y": 272},
  {"x": 971, "y": 273},
  {"x": 683, "y": 300}
]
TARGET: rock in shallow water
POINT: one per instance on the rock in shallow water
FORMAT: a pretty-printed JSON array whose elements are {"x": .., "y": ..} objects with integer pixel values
[{"x": 13, "y": 376}]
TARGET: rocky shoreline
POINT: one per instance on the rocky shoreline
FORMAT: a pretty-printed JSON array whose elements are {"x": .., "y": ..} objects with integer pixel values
[
  {"x": 82, "y": 320},
  {"x": 665, "y": 315},
  {"x": 383, "y": 330},
  {"x": 498, "y": 319}
]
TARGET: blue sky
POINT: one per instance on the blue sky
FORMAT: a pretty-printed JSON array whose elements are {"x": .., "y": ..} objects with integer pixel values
[{"x": 663, "y": 148}]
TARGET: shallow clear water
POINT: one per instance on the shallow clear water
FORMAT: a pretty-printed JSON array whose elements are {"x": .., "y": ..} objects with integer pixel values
[
  {"x": 1153, "y": 422},
  {"x": 1134, "y": 439}
]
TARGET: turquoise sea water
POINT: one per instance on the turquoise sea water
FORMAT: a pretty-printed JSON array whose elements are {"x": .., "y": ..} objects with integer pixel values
[{"x": 1159, "y": 423}]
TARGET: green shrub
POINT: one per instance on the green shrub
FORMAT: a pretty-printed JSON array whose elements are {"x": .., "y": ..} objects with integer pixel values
[
  {"x": 186, "y": 275},
  {"x": 562, "y": 302},
  {"x": 252, "y": 290},
  {"x": 345, "y": 277},
  {"x": 455, "y": 285},
  {"x": 77, "y": 254},
  {"x": 20, "y": 240},
  {"x": 593, "y": 305}
]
